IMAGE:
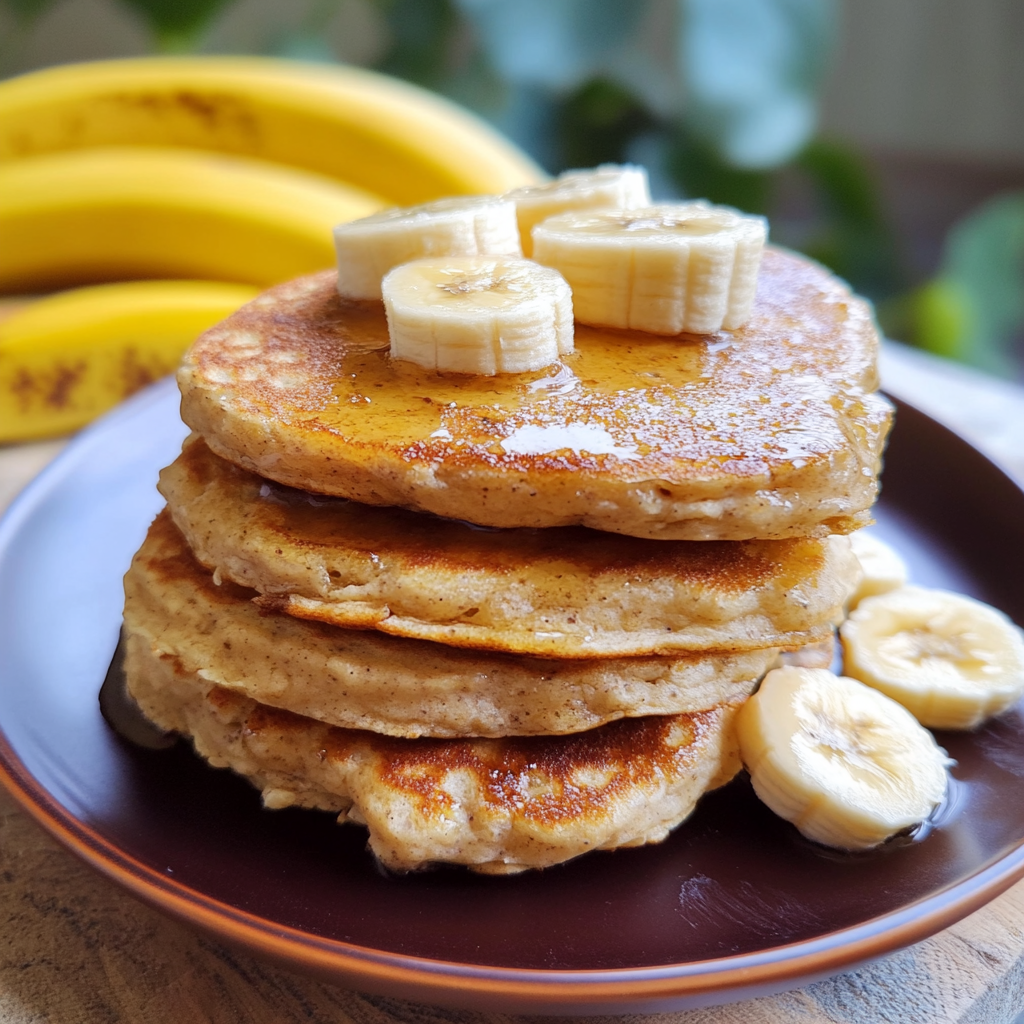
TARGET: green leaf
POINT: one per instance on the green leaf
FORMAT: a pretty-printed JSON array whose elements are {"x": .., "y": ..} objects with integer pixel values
[
  {"x": 701, "y": 173},
  {"x": 942, "y": 314},
  {"x": 752, "y": 71},
  {"x": 853, "y": 237},
  {"x": 983, "y": 262},
  {"x": 27, "y": 11},
  {"x": 421, "y": 36},
  {"x": 554, "y": 44},
  {"x": 596, "y": 123},
  {"x": 177, "y": 25}
]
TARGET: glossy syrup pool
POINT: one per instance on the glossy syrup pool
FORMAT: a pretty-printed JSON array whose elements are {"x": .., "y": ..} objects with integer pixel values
[{"x": 733, "y": 880}]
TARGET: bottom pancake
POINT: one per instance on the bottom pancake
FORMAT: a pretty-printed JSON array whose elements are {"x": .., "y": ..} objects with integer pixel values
[{"x": 495, "y": 805}]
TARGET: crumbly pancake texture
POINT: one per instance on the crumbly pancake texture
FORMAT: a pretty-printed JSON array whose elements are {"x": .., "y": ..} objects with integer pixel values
[
  {"x": 498, "y": 806},
  {"x": 774, "y": 430},
  {"x": 393, "y": 685},
  {"x": 563, "y": 592}
]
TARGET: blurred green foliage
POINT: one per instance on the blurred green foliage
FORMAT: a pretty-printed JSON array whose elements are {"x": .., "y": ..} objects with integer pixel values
[
  {"x": 975, "y": 305},
  {"x": 719, "y": 98}
]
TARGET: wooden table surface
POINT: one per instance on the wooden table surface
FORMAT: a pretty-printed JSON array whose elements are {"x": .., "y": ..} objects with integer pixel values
[{"x": 75, "y": 949}]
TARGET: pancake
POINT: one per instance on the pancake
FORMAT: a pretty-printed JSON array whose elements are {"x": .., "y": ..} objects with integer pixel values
[
  {"x": 498, "y": 806},
  {"x": 564, "y": 592},
  {"x": 770, "y": 431},
  {"x": 392, "y": 685}
]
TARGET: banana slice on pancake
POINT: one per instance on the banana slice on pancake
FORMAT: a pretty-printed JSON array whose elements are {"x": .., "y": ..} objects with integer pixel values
[
  {"x": 607, "y": 187},
  {"x": 478, "y": 314},
  {"x": 951, "y": 660},
  {"x": 883, "y": 569},
  {"x": 662, "y": 269},
  {"x": 464, "y": 226},
  {"x": 845, "y": 764}
]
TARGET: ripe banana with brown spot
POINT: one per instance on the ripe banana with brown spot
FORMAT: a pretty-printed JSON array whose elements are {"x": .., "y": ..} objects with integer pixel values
[
  {"x": 67, "y": 358},
  {"x": 379, "y": 134}
]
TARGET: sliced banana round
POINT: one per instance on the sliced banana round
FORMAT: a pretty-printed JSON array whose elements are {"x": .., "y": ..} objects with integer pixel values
[
  {"x": 478, "y": 314},
  {"x": 951, "y": 660},
  {"x": 845, "y": 764},
  {"x": 607, "y": 187},
  {"x": 883, "y": 569},
  {"x": 663, "y": 269},
  {"x": 464, "y": 226}
]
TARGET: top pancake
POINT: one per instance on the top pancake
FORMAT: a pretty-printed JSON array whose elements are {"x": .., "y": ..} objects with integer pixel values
[{"x": 770, "y": 431}]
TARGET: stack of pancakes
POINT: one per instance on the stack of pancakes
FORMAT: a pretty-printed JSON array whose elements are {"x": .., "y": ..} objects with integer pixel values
[{"x": 501, "y": 621}]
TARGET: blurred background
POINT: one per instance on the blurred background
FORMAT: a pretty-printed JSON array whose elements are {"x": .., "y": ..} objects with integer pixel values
[{"x": 882, "y": 137}]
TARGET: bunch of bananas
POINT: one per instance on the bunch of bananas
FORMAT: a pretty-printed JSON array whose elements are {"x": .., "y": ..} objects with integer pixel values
[{"x": 184, "y": 172}]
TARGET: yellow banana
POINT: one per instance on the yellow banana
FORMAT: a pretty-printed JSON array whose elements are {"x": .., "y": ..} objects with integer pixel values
[
  {"x": 386, "y": 136},
  {"x": 122, "y": 212},
  {"x": 69, "y": 357}
]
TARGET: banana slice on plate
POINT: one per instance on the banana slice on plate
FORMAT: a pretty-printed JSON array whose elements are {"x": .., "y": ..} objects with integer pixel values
[
  {"x": 951, "y": 660},
  {"x": 883, "y": 568},
  {"x": 845, "y": 764},
  {"x": 608, "y": 187},
  {"x": 478, "y": 314},
  {"x": 464, "y": 226},
  {"x": 663, "y": 269}
]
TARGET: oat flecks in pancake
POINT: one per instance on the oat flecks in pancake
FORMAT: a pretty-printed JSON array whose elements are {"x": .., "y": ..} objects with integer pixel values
[
  {"x": 774, "y": 430},
  {"x": 498, "y": 806},
  {"x": 564, "y": 592},
  {"x": 392, "y": 685}
]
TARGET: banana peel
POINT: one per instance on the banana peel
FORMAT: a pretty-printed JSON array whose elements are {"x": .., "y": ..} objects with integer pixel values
[
  {"x": 67, "y": 358},
  {"x": 107, "y": 214},
  {"x": 353, "y": 125}
]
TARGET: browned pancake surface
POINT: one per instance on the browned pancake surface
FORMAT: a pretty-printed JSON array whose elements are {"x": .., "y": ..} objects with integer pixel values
[
  {"x": 770, "y": 431},
  {"x": 561, "y": 592},
  {"x": 398, "y": 686},
  {"x": 496, "y": 805}
]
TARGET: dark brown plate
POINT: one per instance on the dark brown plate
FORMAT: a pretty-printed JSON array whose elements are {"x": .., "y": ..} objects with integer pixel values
[{"x": 733, "y": 905}]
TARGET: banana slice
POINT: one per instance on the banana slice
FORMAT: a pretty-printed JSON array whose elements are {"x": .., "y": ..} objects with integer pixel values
[
  {"x": 845, "y": 764},
  {"x": 478, "y": 314},
  {"x": 608, "y": 187},
  {"x": 465, "y": 226},
  {"x": 951, "y": 660},
  {"x": 663, "y": 269},
  {"x": 884, "y": 570}
]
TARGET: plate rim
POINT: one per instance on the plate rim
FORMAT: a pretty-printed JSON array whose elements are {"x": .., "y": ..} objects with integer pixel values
[{"x": 644, "y": 989}]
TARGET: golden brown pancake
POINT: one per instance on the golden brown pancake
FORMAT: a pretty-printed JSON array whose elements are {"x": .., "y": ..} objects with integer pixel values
[
  {"x": 498, "y": 806},
  {"x": 770, "y": 431},
  {"x": 563, "y": 592},
  {"x": 396, "y": 686}
]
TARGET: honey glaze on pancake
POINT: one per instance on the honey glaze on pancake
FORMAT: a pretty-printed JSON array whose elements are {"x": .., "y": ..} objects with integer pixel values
[
  {"x": 783, "y": 402},
  {"x": 623, "y": 403}
]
